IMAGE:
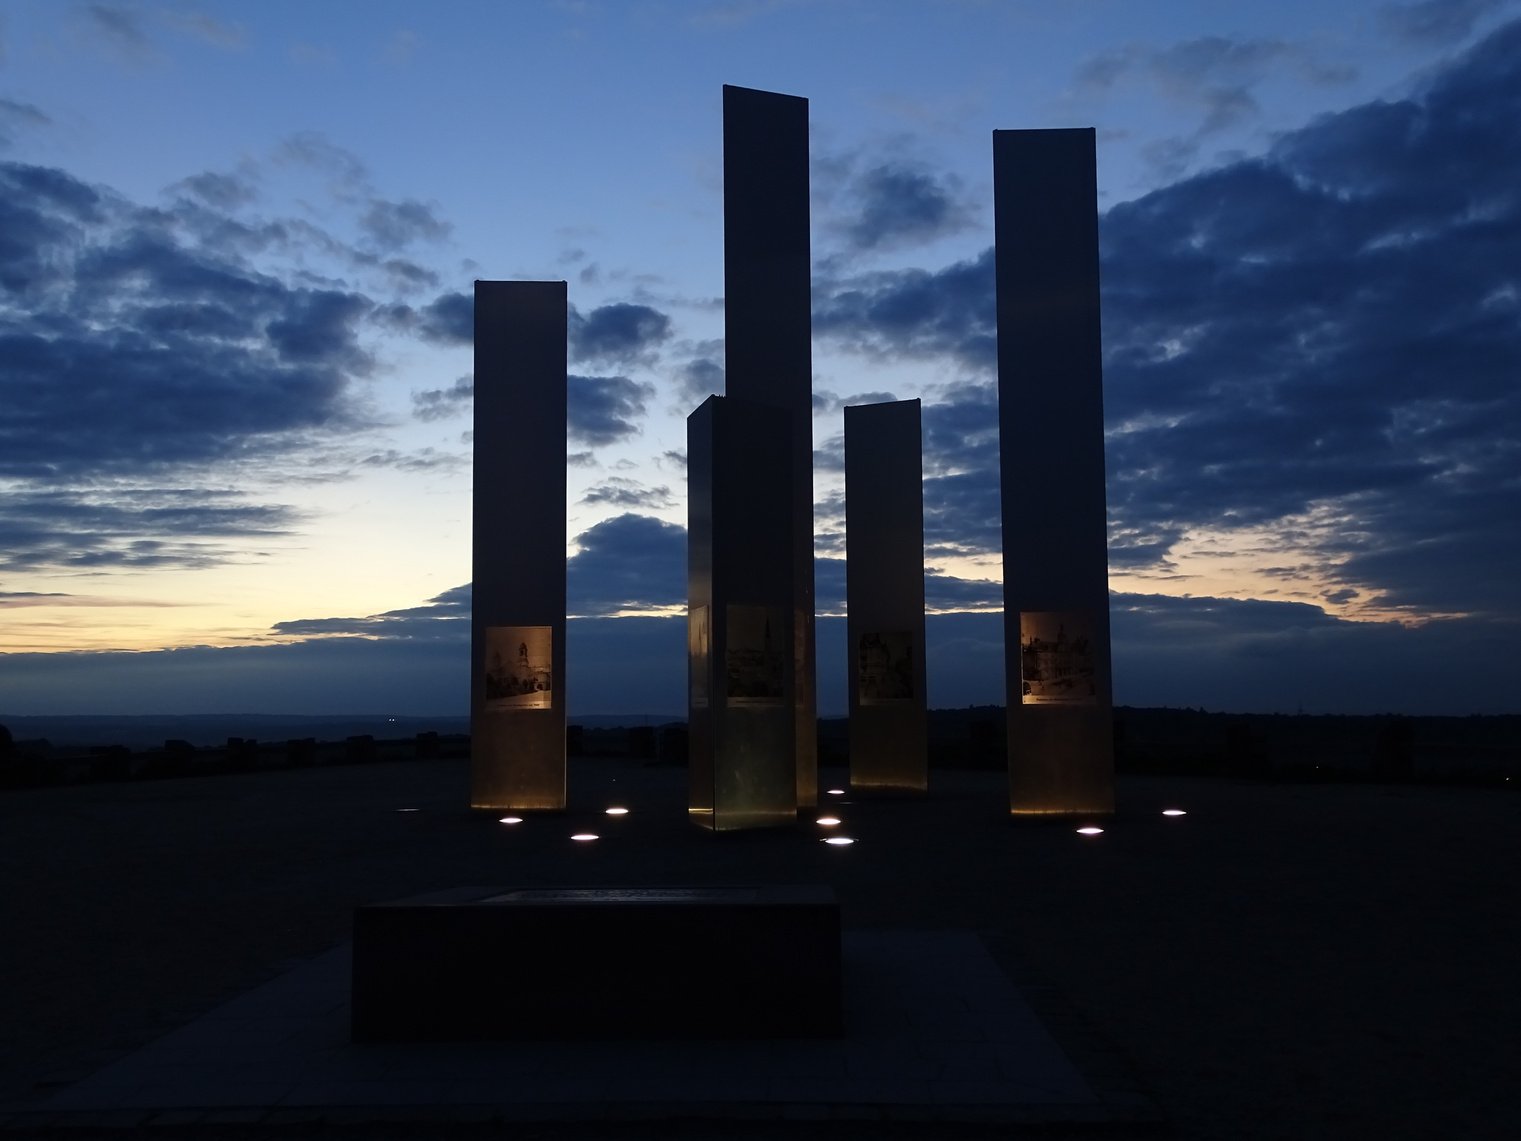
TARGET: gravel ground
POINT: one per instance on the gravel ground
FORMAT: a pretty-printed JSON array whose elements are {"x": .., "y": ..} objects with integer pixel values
[{"x": 1282, "y": 962}]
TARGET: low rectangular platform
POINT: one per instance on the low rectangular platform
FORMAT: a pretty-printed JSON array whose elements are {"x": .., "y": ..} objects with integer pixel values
[{"x": 501, "y": 964}]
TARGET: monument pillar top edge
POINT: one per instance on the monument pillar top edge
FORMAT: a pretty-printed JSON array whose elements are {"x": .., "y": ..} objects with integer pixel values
[{"x": 747, "y": 92}]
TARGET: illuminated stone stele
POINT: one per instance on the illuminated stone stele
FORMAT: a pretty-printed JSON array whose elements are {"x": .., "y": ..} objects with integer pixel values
[
  {"x": 1051, "y": 443},
  {"x": 517, "y": 670},
  {"x": 768, "y": 356},
  {"x": 740, "y": 709},
  {"x": 884, "y": 591}
]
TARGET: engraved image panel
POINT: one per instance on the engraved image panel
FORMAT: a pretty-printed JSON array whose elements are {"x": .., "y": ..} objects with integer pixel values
[
  {"x": 1056, "y": 658},
  {"x": 519, "y": 668}
]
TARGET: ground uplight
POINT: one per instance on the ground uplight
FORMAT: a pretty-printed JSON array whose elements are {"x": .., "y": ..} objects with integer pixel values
[
  {"x": 828, "y": 821},
  {"x": 584, "y": 837},
  {"x": 406, "y": 810},
  {"x": 1173, "y": 812},
  {"x": 617, "y": 811},
  {"x": 511, "y": 820},
  {"x": 835, "y": 791},
  {"x": 1090, "y": 830},
  {"x": 838, "y": 841}
]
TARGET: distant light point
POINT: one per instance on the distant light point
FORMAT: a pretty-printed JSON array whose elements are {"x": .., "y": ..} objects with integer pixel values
[
  {"x": 584, "y": 837},
  {"x": 511, "y": 820},
  {"x": 828, "y": 821},
  {"x": 1090, "y": 830},
  {"x": 838, "y": 841},
  {"x": 1173, "y": 812},
  {"x": 835, "y": 791},
  {"x": 615, "y": 811}
]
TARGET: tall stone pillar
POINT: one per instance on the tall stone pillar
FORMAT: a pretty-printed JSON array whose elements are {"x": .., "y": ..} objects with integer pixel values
[
  {"x": 884, "y": 591},
  {"x": 1051, "y": 443},
  {"x": 517, "y": 626},
  {"x": 741, "y": 708},
  {"x": 768, "y": 336}
]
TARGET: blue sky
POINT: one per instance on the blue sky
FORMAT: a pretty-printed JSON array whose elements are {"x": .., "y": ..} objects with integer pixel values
[{"x": 236, "y": 248}]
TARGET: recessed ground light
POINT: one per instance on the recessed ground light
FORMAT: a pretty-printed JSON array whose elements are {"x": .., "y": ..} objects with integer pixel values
[
  {"x": 1173, "y": 812},
  {"x": 406, "y": 810},
  {"x": 838, "y": 841},
  {"x": 584, "y": 837},
  {"x": 828, "y": 821},
  {"x": 1090, "y": 830},
  {"x": 835, "y": 791},
  {"x": 617, "y": 811},
  {"x": 511, "y": 820}
]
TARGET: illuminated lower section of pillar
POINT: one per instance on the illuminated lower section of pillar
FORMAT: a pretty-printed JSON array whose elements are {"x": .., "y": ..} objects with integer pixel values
[
  {"x": 741, "y": 709},
  {"x": 517, "y": 672},
  {"x": 1051, "y": 431},
  {"x": 884, "y": 588}
]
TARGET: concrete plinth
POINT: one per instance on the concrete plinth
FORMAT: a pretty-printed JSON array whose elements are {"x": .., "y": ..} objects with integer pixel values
[{"x": 498, "y": 964}]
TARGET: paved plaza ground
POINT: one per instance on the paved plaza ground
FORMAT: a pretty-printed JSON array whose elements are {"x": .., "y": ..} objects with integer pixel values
[{"x": 1285, "y": 961}]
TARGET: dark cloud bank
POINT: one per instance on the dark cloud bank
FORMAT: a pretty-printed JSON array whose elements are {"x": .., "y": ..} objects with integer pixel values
[
  {"x": 1239, "y": 656},
  {"x": 1331, "y": 329}
]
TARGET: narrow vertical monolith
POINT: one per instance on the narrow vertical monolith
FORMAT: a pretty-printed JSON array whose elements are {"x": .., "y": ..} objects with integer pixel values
[
  {"x": 517, "y": 672},
  {"x": 768, "y": 336},
  {"x": 740, "y": 638},
  {"x": 884, "y": 594},
  {"x": 1051, "y": 442}
]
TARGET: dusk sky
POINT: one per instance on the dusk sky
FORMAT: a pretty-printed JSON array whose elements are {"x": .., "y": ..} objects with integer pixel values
[{"x": 237, "y": 242}]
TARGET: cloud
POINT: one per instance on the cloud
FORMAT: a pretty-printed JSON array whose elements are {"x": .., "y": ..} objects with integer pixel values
[
  {"x": 121, "y": 28},
  {"x": 437, "y": 403},
  {"x": 628, "y": 562},
  {"x": 134, "y": 527},
  {"x": 348, "y": 177},
  {"x": 207, "y": 29},
  {"x": 913, "y": 312},
  {"x": 1438, "y": 22},
  {"x": 16, "y": 117},
  {"x": 701, "y": 378},
  {"x": 395, "y": 225},
  {"x": 616, "y": 491},
  {"x": 1212, "y": 74},
  {"x": 217, "y": 190},
  {"x": 900, "y": 204},
  {"x": 444, "y": 617},
  {"x": 617, "y": 333},
  {"x": 605, "y": 409},
  {"x": 1214, "y": 77}
]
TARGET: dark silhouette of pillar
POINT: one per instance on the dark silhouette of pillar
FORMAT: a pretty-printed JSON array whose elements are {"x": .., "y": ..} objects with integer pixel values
[
  {"x": 884, "y": 591},
  {"x": 1051, "y": 442},
  {"x": 517, "y": 672},
  {"x": 741, "y": 706},
  {"x": 768, "y": 336}
]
